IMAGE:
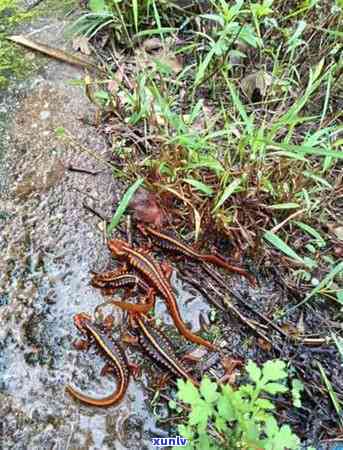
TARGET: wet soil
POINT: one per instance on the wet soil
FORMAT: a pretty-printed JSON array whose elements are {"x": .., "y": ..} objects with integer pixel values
[{"x": 49, "y": 243}]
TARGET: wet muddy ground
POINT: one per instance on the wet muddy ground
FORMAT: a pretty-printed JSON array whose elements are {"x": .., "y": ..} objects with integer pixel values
[{"x": 49, "y": 243}]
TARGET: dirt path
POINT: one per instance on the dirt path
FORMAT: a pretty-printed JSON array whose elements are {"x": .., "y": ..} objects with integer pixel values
[{"x": 48, "y": 245}]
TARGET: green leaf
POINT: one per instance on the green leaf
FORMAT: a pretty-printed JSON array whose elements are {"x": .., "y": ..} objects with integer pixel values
[
  {"x": 203, "y": 65},
  {"x": 186, "y": 432},
  {"x": 205, "y": 443},
  {"x": 229, "y": 190},
  {"x": 306, "y": 150},
  {"x": 98, "y": 6},
  {"x": 102, "y": 95},
  {"x": 135, "y": 14},
  {"x": 312, "y": 232},
  {"x": 324, "y": 283},
  {"x": 208, "y": 390},
  {"x": 274, "y": 370},
  {"x": 279, "y": 439},
  {"x": 275, "y": 388},
  {"x": 339, "y": 343},
  {"x": 284, "y": 206},
  {"x": 264, "y": 403},
  {"x": 221, "y": 424},
  {"x": 254, "y": 371},
  {"x": 200, "y": 413},
  {"x": 241, "y": 108},
  {"x": 60, "y": 132},
  {"x": 251, "y": 431},
  {"x": 124, "y": 202},
  {"x": 225, "y": 409},
  {"x": 271, "y": 427},
  {"x": 336, "y": 403},
  {"x": 283, "y": 247},
  {"x": 202, "y": 187},
  {"x": 326, "y": 280},
  {"x": 285, "y": 439},
  {"x": 297, "y": 388},
  {"x": 187, "y": 392}
]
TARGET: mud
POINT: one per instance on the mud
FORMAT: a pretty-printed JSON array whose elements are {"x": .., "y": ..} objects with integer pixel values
[{"x": 49, "y": 243}]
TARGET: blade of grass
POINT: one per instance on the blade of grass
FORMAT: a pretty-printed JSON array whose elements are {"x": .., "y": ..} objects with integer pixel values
[
  {"x": 202, "y": 187},
  {"x": 304, "y": 149},
  {"x": 284, "y": 206},
  {"x": 311, "y": 231},
  {"x": 229, "y": 190},
  {"x": 326, "y": 280},
  {"x": 135, "y": 14},
  {"x": 124, "y": 202},
  {"x": 327, "y": 97},
  {"x": 339, "y": 344},
  {"x": 151, "y": 32},
  {"x": 336, "y": 403},
  {"x": 240, "y": 107},
  {"x": 283, "y": 247}
]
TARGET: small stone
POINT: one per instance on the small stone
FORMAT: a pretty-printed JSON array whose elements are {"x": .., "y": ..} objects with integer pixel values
[
  {"x": 314, "y": 281},
  {"x": 44, "y": 115}
]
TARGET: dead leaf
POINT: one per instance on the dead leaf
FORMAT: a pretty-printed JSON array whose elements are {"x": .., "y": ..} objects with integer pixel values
[
  {"x": 153, "y": 44},
  {"x": 146, "y": 209},
  {"x": 81, "y": 43},
  {"x": 114, "y": 84},
  {"x": 339, "y": 233},
  {"x": 264, "y": 345},
  {"x": 338, "y": 251},
  {"x": 254, "y": 86},
  {"x": 153, "y": 52},
  {"x": 230, "y": 365},
  {"x": 300, "y": 324}
]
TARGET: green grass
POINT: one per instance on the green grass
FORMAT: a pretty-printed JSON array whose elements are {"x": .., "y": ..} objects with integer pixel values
[{"x": 266, "y": 168}]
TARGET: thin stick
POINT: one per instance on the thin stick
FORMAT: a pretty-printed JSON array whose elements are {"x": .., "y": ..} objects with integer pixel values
[
  {"x": 234, "y": 294},
  {"x": 55, "y": 53},
  {"x": 281, "y": 224}
]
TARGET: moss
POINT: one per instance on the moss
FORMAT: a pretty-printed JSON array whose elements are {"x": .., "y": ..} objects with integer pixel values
[{"x": 13, "y": 59}]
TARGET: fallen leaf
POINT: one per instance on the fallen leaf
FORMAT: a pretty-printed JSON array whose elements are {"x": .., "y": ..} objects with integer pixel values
[
  {"x": 300, "y": 324},
  {"x": 146, "y": 209},
  {"x": 81, "y": 43},
  {"x": 264, "y": 345},
  {"x": 339, "y": 233},
  {"x": 153, "y": 44},
  {"x": 153, "y": 53},
  {"x": 338, "y": 251},
  {"x": 113, "y": 85},
  {"x": 254, "y": 86},
  {"x": 230, "y": 365}
]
